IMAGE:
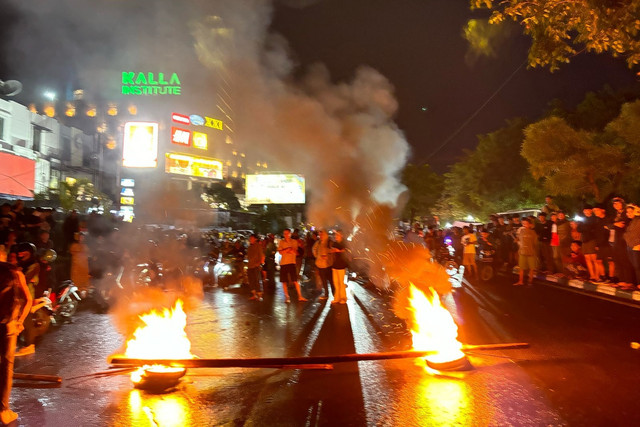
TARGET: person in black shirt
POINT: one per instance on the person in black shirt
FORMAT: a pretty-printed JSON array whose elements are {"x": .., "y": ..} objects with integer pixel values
[
  {"x": 603, "y": 247},
  {"x": 339, "y": 267},
  {"x": 545, "y": 254}
]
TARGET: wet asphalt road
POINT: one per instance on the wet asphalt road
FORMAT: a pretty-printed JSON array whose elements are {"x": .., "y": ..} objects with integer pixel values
[{"x": 580, "y": 369}]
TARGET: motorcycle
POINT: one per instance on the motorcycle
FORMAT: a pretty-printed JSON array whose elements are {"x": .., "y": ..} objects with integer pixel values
[
  {"x": 447, "y": 257},
  {"x": 205, "y": 270},
  {"x": 64, "y": 300},
  {"x": 487, "y": 266},
  {"x": 230, "y": 271},
  {"x": 42, "y": 314}
]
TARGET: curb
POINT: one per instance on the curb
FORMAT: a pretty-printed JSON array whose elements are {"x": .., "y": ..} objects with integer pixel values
[{"x": 587, "y": 286}]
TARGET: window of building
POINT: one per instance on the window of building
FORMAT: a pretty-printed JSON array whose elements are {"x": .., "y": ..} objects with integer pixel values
[
  {"x": 37, "y": 139},
  {"x": 66, "y": 148},
  {"x": 2, "y": 128}
]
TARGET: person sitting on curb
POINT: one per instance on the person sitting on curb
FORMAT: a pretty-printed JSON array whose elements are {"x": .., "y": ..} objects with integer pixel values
[
  {"x": 527, "y": 241},
  {"x": 575, "y": 264}
]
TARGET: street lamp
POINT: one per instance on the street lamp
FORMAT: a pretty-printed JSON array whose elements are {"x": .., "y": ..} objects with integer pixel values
[{"x": 50, "y": 95}]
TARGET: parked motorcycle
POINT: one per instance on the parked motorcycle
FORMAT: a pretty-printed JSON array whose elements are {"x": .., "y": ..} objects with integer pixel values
[
  {"x": 486, "y": 267},
  {"x": 42, "y": 314},
  {"x": 230, "y": 271},
  {"x": 64, "y": 300}
]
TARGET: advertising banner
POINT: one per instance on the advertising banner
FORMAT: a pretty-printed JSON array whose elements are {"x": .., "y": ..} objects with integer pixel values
[
  {"x": 183, "y": 164},
  {"x": 140, "y": 146},
  {"x": 17, "y": 176},
  {"x": 275, "y": 189}
]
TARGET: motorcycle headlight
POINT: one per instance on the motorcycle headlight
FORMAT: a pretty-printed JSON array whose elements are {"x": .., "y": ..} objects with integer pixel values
[
  {"x": 205, "y": 268},
  {"x": 225, "y": 268}
]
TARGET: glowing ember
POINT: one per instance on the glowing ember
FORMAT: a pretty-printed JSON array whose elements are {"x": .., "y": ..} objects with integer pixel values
[
  {"x": 162, "y": 337},
  {"x": 433, "y": 328}
]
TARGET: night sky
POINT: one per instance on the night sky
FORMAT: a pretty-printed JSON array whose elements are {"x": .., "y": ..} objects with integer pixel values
[{"x": 418, "y": 46}]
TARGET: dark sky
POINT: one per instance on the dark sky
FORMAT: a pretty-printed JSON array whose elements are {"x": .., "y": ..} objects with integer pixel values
[{"x": 418, "y": 46}]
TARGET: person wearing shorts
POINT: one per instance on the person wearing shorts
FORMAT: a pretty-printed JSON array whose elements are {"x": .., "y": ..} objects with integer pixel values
[
  {"x": 288, "y": 249},
  {"x": 469, "y": 241}
]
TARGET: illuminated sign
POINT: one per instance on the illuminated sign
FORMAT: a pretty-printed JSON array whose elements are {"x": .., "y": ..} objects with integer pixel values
[
  {"x": 200, "y": 140},
  {"x": 127, "y": 182},
  {"x": 140, "y": 146},
  {"x": 275, "y": 188},
  {"x": 213, "y": 123},
  {"x": 182, "y": 164},
  {"x": 180, "y": 136},
  {"x": 180, "y": 118},
  {"x": 137, "y": 83},
  {"x": 196, "y": 120},
  {"x": 126, "y": 200},
  {"x": 127, "y": 192}
]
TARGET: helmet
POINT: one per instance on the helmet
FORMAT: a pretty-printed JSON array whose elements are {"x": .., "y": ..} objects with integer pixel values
[
  {"x": 48, "y": 255},
  {"x": 26, "y": 260}
]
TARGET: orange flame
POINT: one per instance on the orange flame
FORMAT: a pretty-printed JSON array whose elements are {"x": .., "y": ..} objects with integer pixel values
[
  {"x": 433, "y": 327},
  {"x": 162, "y": 337}
]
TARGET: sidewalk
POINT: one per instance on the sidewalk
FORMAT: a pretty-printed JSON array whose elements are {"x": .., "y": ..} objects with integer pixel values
[{"x": 587, "y": 287}]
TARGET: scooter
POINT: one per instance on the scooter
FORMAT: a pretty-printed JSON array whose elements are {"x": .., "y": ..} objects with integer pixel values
[
  {"x": 64, "y": 301},
  {"x": 230, "y": 272},
  {"x": 42, "y": 314}
]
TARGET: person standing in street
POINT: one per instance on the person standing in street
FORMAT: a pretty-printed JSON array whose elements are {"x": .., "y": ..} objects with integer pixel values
[
  {"x": 255, "y": 258},
  {"x": 527, "y": 242},
  {"x": 288, "y": 249},
  {"x": 324, "y": 261},
  {"x": 545, "y": 254},
  {"x": 469, "y": 242},
  {"x": 15, "y": 304},
  {"x": 338, "y": 268}
]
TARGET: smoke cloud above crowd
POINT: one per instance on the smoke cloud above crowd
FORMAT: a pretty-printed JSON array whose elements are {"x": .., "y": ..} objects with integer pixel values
[{"x": 340, "y": 135}]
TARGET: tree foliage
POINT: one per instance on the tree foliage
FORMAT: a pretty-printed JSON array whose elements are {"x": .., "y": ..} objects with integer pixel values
[
  {"x": 425, "y": 188},
  {"x": 575, "y": 162},
  {"x": 490, "y": 179},
  {"x": 220, "y": 196},
  {"x": 560, "y": 29},
  {"x": 80, "y": 195}
]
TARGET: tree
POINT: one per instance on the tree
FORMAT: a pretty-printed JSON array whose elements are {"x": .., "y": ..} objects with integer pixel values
[
  {"x": 573, "y": 162},
  {"x": 490, "y": 179},
  {"x": 561, "y": 29},
  {"x": 425, "y": 188},
  {"x": 222, "y": 197},
  {"x": 80, "y": 195}
]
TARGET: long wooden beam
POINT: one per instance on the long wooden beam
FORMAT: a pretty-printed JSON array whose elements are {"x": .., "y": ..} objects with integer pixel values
[{"x": 288, "y": 361}]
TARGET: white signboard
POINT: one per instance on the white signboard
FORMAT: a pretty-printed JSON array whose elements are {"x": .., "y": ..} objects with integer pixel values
[{"x": 275, "y": 189}]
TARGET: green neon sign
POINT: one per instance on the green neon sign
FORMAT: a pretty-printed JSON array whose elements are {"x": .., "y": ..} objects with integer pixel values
[{"x": 140, "y": 83}]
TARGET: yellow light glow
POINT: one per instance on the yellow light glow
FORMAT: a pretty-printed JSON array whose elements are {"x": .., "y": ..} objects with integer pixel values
[
  {"x": 162, "y": 336},
  {"x": 234, "y": 152},
  {"x": 140, "y": 145},
  {"x": 92, "y": 111},
  {"x": 242, "y": 155},
  {"x": 70, "y": 180},
  {"x": 264, "y": 165},
  {"x": 433, "y": 327},
  {"x": 228, "y": 140},
  {"x": 49, "y": 110},
  {"x": 112, "y": 110},
  {"x": 228, "y": 185},
  {"x": 228, "y": 162},
  {"x": 239, "y": 164},
  {"x": 258, "y": 164},
  {"x": 234, "y": 174},
  {"x": 200, "y": 140},
  {"x": 133, "y": 110},
  {"x": 111, "y": 143},
  {"x": 70, "y": 111},
  {"x": 33, "y": 109}
]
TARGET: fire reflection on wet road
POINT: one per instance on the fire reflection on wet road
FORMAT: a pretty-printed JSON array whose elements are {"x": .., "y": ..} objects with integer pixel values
[{"x": 496, "y": 392}]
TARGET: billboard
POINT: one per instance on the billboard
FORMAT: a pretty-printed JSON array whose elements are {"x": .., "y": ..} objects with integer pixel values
[
  {"x": 200, "y": 140},
  {"x": 17, "y": 176},
  {"x": 140, "y": 146},
  {"x": 183, "y": 164},
  {"x": 275, "y": 189},
  {"x": 180, "y": 136}
]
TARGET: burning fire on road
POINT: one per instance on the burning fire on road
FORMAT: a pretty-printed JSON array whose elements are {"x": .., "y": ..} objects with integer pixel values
[
  {"x": 433, "y": 329},
  {"x": 162, "y": 336}
]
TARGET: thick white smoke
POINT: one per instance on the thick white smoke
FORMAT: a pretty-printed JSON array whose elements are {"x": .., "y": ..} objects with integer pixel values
[{"x": 341, "y": 136}]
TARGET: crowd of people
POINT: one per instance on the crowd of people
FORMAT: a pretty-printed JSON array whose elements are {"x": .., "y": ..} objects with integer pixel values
[{"x": 600, "y": 244}]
